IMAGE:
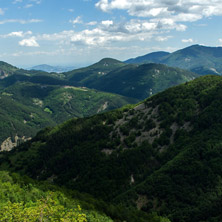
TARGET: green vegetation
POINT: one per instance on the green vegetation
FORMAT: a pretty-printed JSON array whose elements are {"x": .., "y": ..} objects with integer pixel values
[
  {"x": 162, "y": 155},
  {"x": 141, "y": 81},
  {"x": 197, "y": 58},
  {"x": 23, "y": 199},
  {"x": 27, "y": 107},
  {"x": 89, "y": 74}
]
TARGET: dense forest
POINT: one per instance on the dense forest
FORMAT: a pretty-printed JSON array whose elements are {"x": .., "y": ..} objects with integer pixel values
[{"x": 162, "y": 155}]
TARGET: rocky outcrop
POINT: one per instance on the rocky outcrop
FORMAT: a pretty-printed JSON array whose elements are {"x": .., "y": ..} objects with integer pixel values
[{"x": 8, "y": 144}]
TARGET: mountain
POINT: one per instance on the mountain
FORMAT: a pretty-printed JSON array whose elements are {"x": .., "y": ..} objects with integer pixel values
[
  {"x": 162, "y": 155},
  {"x": 84, "y": 75},
  {"x": 141, "y": 81},
  {"x": 6, "y": 69},
  {"x": 154, "y": 57},
  {"x": 196, "y": 58},
  {"x": 26, "y": 106},
  {"x": 48, "y": 68}
]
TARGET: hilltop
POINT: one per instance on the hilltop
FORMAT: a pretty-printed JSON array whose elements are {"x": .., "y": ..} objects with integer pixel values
[{"x": 88, "y": 74}]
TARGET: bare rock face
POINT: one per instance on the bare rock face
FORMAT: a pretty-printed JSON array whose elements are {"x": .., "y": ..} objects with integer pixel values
[
  {"x": 8, "y": 144},
  {"x": 3, "y": 74}
]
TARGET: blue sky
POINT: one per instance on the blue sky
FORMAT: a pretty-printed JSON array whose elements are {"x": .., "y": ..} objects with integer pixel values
[{"x": 81, "y": 32}]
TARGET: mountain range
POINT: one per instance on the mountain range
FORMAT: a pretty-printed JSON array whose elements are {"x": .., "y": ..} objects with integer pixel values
[
  {"x": 157, "y": 160},
  {"x": 196, "y": 58},
  {"x": 32, "y": 100},
  {"x": 162, "y": 155}
]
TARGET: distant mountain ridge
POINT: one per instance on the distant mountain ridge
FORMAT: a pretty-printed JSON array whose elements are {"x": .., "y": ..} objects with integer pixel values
[
  {"x": 196, "y": 58},
  {"x": 48, "y": 68}
]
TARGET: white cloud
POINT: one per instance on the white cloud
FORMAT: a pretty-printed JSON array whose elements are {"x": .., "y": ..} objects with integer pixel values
[
  {"x": 107, "y": 22},
  {"x": 21, "y": 21},
  {"x": 176, "y": 10},
  {"x": 2, "y": 11},
  {"x": 17, "y": 34},
  {"x": 146, "y": 8},
  {"x": 31, "y": 42},
  {"x": 92, "y": 23},
  {"x": 162, "y": 38},
  {"x": 77, "y": 20},
  {"x": 187, "y": 40}
]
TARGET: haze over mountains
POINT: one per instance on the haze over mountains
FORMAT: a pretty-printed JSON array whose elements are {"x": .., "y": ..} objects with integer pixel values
[
  {"x": 196, "y": 58},
  {"x": 48, "y": 68}
]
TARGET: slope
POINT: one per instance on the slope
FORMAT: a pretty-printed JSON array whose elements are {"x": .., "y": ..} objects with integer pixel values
[
  {"x": 196, "y": 58},
  {"x": 88, "y": 74},
  {"x": 23, "y": 199},
  {"x": 153, "y": 57},
  {"x": 27, "y": 107},
  {"x": 161, "y": 155},
  {"x": 141, "y": 81},
  {"x": 6, "y": 69}
]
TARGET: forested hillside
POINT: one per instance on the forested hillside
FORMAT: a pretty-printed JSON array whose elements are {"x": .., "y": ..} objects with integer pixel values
[
  {"x": 196, "y": 58},
  {"x": 161, "y": 155},
  {"x": 141, "y": 81},
  {"x": 27, "y": 107},
  {"x": 23, "y": 199}
]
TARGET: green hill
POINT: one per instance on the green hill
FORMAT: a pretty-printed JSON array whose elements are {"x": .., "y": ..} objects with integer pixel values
[
  {"x": 153, "y": 57},
  {"x": 6, "y": 69},
  {"x": 161, "y": 155},
  {"x": 141, "y": 81},
  {"x": 91, "y": 73},
  {"x": 27, "y": 107},
  {"x": 23, "y": 199},
  {"x": 196, "y": 58}
]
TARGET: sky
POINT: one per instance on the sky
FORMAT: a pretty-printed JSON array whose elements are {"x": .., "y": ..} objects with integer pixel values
[{"x": 81, "y": 32}]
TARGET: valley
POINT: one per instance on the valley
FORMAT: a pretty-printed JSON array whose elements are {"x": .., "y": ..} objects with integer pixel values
[{"x": 111, "y": 142}]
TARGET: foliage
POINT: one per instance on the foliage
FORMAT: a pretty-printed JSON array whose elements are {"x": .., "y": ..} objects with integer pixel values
[
  {"x": 196, "y": 58},
  {"x": 141, "y": 81}
]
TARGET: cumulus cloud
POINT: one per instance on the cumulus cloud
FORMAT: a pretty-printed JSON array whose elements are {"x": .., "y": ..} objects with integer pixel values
[
  {"x": 169, "y": 13},
  {"x": 186, "y": 9},
  {"x": 30, "y": 42},
  {"x": 107, "y": 32},
  {"x": 107, "y": 22},
  {"x": 187, "y": 40}
]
